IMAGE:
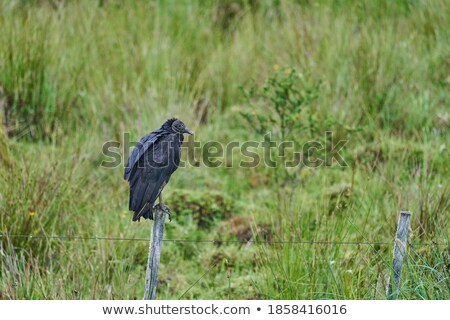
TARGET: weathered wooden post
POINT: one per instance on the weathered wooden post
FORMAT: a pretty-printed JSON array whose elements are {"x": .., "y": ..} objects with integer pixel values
[
  {"x": 154, "y": 255},
  {"x": 401, "y": 239}
]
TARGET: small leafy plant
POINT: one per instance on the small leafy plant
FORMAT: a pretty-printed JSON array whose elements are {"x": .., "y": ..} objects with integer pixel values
[{"x": 282, "y": 111}]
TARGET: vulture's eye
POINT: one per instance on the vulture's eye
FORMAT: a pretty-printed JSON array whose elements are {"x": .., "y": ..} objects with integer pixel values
[{"x": 178, "y": 126}]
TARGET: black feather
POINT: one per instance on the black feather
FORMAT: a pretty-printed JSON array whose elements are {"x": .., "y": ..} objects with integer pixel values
[{"x": 149, "y": 167}]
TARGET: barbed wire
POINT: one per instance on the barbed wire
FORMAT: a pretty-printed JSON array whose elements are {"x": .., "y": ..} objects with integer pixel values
[{"x": 215, "y": 241}]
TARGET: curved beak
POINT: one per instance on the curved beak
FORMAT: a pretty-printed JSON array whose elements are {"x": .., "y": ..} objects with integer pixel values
[{"x": 188, "y": 131}]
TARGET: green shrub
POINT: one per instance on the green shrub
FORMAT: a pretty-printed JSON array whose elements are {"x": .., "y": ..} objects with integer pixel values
[{"x": 204, "y": 207}]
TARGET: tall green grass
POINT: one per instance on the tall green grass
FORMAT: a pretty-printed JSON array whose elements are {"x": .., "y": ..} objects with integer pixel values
[{"x": 76, "y": 74}]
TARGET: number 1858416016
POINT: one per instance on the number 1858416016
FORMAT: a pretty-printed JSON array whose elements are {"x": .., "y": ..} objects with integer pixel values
[{"x": 307, "y": 309}]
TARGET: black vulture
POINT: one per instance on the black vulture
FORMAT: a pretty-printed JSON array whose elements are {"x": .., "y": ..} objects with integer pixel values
[{"x": 150, "y": 165}]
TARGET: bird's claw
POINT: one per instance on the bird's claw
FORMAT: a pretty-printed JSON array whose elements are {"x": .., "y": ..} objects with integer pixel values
[{"x": 165, "y": 209}]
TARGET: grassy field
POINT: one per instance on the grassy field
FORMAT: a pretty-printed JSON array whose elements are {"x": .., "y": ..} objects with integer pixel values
[{"x": 76, "y": 74}]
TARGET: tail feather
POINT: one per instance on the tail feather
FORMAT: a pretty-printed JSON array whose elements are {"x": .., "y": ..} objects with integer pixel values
[{"x": 145, "y": 212}]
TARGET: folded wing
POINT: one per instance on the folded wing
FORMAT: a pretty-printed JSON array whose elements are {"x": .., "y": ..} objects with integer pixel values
[{"x": 154, "y": 162}]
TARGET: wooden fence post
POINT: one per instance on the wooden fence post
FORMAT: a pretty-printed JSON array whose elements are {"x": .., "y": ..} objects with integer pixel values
[
  {"x": 401, "y": 239},
  {"x": 159, "y": 217}
]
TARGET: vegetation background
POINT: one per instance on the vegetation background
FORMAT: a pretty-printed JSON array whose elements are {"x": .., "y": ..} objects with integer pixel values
[{"x": 76, "y": 74}]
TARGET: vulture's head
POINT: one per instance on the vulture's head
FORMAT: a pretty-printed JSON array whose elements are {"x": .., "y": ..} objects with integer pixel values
[{"x": 176, "y": 126}]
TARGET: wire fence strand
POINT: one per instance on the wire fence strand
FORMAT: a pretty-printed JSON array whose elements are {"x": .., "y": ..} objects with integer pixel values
[{"x": 214, "y": 241}]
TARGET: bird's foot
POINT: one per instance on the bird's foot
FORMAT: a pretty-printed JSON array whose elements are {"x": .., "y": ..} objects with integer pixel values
[{"x": 165, "y": 208}]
